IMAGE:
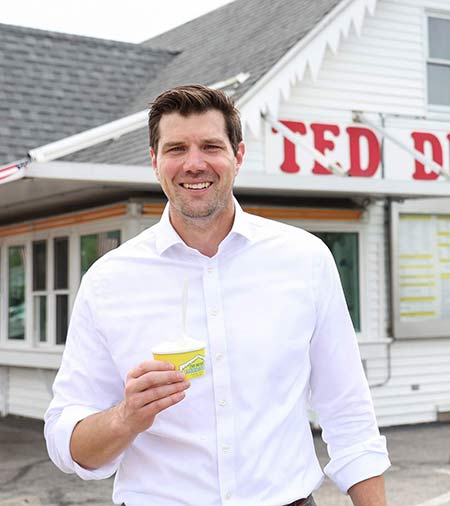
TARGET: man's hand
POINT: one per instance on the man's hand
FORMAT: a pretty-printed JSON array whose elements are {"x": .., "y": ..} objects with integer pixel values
[
  {"x": 150, "y": 388},
  {"x": 368, "y": 492}
]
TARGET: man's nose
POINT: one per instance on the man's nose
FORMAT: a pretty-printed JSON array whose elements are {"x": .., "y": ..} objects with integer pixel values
[{"x": 194, "y": 160}]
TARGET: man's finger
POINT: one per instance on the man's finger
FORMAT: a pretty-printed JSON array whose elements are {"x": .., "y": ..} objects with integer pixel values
[
  {"x": 150, "y": 365},
  {"x": 161, "y": 404},
  {"x": 153, "y": 379},
  {"x": 153, "y": 395}
]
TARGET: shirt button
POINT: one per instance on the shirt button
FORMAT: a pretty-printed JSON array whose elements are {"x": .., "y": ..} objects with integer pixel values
[
  {"x": 226, "y": 449},
  {"x": 223, "y": 402},
  {"x": 210, "y": 270},
  {"x": 214, "y": 312},
  {"x": 228, "y": 495},
  {"x": 219, "y": 356}
]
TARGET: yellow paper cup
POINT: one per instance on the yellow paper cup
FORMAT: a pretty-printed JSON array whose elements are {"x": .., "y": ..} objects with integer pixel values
[{"x": 192, "y": 363}]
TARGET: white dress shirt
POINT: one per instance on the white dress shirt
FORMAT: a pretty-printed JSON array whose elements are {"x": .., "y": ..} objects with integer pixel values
[{"x": 270, "y": 309}]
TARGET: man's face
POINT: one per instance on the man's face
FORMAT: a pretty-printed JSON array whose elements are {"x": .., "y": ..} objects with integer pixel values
[{"x": 195, "y": 164}]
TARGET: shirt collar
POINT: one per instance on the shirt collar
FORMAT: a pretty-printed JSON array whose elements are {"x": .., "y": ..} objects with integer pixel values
[{"x": 167, "y": 236}]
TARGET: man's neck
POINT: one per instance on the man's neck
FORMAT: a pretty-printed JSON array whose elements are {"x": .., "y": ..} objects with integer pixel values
[{"x": 204, "y": 234}]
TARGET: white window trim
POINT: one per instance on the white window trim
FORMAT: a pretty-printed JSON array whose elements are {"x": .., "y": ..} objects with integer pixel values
[{"x": 435, "y": 111}]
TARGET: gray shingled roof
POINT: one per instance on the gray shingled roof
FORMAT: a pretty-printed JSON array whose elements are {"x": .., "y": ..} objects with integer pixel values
[
  {"x": 54, "y": 85},
  {"x": 243, "y": 36}
]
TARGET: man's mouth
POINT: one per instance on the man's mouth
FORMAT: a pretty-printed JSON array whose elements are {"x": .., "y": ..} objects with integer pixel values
[{"x": 196, "y": 186}]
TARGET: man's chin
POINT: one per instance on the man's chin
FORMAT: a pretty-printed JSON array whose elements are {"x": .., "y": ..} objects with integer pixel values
[{"x": 193, "y": 214}]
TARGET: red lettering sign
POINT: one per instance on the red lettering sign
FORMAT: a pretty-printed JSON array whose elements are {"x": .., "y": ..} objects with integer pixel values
[
  {"x": 356, "y": 134},
  {"x": 362, "y": 149},
  {"x": 420, "y": 139}
]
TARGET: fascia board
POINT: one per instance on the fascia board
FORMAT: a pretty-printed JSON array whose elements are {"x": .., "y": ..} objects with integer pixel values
[
  {"x": 288, "y": 184},
  {"x": 131, "y": 175},
  {"x": 98, "y": 173}
]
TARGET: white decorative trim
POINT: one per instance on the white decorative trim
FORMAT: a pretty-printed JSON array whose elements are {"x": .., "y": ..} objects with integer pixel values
[{"x": 309, "y": 52}]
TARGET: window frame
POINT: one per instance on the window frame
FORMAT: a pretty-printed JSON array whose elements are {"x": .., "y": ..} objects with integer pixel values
[
  {"x": 422, "y": 329},
  {"x": 433, "y": 108},
  {"x": 31, "y": 342},
  {"x": 4, "y": 294}
]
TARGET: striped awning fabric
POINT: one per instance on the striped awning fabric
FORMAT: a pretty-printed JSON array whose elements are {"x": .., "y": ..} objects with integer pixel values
[{"x": 12, "y": 171}]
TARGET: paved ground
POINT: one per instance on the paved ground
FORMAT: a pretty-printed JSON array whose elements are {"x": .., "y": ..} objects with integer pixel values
[{"x": 420, "y": 474}]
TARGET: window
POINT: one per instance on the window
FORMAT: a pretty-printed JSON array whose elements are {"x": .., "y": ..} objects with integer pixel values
[
  {"x": 40, "y": 273},
  {"x": 345, "y": 250},
  {"x": 420, "y": 239},
  {"x": 16, "y": 292},
  {"x": 438, "y": 64},
  {"x": 93, "y": 246}
]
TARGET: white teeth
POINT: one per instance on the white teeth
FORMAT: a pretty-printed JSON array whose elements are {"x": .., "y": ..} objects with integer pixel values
[{"x": 196, "y": 186}]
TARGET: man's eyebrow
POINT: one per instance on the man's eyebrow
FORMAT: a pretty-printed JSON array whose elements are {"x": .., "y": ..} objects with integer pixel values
[
  {"x": 172, "y": 144},
  {"x": 214, "y": 140}
]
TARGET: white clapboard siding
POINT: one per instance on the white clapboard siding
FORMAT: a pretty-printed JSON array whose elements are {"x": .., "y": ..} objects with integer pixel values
[
  {"x": 382, "y": 70},
  {"x": 29, "y": 391},
  {"x": 254, "y": 154},
  {"x": 419, "y": 382}
]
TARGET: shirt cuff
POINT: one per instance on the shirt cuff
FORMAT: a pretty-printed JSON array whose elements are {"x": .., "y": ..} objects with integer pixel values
[
  {"x": 63, "y": 429},
  {"x": 358, "y": 463}
]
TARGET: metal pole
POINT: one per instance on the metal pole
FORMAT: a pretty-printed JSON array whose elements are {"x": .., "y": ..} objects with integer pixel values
[{"x": 360, "y": 118}]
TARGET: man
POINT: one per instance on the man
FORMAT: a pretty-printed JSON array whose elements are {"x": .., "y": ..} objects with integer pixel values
[{"x": 266, "y": 300}]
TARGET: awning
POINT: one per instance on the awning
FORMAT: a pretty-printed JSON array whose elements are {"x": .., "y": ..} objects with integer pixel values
[
  {"x": 36, "y": 188},
  {"x": 51, "y": 187}
]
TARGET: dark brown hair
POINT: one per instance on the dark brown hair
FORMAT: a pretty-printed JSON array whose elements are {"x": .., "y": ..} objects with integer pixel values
[{"x": 194, "y": 99}]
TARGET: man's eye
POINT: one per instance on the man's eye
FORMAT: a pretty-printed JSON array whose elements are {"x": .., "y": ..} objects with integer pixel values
[
  {"x": 211, "y": 147},
  {"x": 176, "y": 148}
]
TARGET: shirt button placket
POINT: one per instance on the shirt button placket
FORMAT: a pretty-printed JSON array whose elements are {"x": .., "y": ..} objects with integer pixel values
[{"x": 221, "y": 380}]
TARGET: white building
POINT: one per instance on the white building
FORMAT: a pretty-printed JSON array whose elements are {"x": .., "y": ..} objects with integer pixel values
[{"x": 364, "y": 82}]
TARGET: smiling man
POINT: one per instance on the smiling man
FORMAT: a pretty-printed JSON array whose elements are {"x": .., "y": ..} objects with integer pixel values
[{"x": 266, "y": 301}]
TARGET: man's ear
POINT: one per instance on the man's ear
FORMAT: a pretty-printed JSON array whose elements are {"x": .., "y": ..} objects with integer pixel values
[
  {"x": 239, "y": 157},
  {"x": 154, "y": 164}
]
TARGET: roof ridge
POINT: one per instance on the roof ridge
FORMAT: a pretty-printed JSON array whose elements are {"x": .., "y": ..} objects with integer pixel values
[{"x": 70, "y": 36}]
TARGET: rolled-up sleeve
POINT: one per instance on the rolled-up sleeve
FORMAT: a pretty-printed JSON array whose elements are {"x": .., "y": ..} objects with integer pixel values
[
  {"x": 339, "y": 390},
  {"x": 87, "y": 382}
]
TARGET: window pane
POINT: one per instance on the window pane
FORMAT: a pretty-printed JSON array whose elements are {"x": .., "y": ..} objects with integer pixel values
[
  {"x": 344, "y": 247},
  {"x": 40, "y": 317},
  {"x": 61, "y": 247},
  {"x": 438, "y": 84},
  {"x": 39, "y": 265},
  {"x": 93, "y": 246},
  {"x": 16, "y": 292},
  {"x": 439, "y": 38},
  {"x": 88, "y": 252},
  {"x": 62, "y": 318}
]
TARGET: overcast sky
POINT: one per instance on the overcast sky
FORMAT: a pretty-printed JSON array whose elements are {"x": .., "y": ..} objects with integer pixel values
[{"x": 126, "y": 20}]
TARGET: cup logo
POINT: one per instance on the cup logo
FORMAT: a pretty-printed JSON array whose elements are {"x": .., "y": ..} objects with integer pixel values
[{"x": 193, "y": 367}]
